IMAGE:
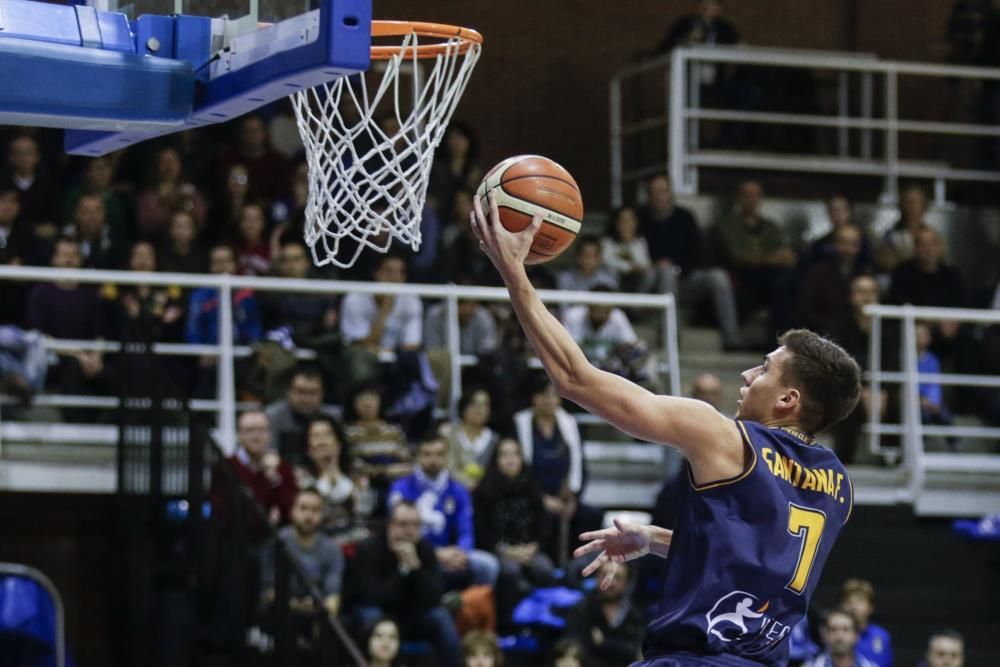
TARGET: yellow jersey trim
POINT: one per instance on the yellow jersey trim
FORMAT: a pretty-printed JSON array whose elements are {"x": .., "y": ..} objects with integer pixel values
[{"x": 731, "y": 480}]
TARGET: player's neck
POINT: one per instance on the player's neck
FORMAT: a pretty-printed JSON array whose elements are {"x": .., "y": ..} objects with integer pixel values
[{"x": 782, "y": 422}]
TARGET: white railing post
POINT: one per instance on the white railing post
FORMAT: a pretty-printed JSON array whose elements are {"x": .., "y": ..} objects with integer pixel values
[
  {"x": 615, "y": 93},
  {"x": 693, "y": 74},
  {"x": 867, "y": 98},
  {"x": 843, "y": 111},
  {"x": 677, "y": 143},
  {"x": 913, "y": 437},
  {"x": 455, "y": 352},
  {"x": 226, "y": 390},
  {"x": 891, "y": 134},
  {"x": 875, "y": 384}
]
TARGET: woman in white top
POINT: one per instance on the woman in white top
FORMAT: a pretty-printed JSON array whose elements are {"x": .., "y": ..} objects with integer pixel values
[
  {"x": 470, "y": 439},
  {"x": 626, "y": 253}
]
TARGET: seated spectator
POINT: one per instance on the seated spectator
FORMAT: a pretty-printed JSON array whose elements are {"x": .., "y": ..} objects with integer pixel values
[
  {"x": 470, "y": 439},
  {"x": 396, "y": 572},
  {"x": 476, "y": 326},
  {"x": 480, "y": 649},
  {"x": 599, "y": 330},
  {"x": 183, "y": 251},
  {"x": 267, "y": 170},
  {"x": 225, "y": 211},
  {"x": 97, "y": 180},
  {"x": 511, "y": 522},
  {"x": 305, "y": 314},
  {"x": 445, "y": 507},
  {"x": 168, "y": 192},
  {"x": 319, "y": 555},
  {"x": 759, "y": 257},
  {"x": 383, "y": 322},
  {"x": 898, "y": 245},
  {"x": 838, "y": 210},
  {"x": 100, "y": 250},
  {"x": 590, "y": 269},
  {"x": 552, "y": 446},
  {"x": 326, "y": 468},
  {"x": 15, "y": 250},
  {"x": 824, "y": 294},
  {"x": 381, "y": 645},
  {"x": 932, "y": 407},
  {"x": 857, "y": 597},
  {"x": 138, "y": 312},
  {"x": 610, "y": 628},
  {"x": 37, "y": 195},
  {"x": 677, "y": 250},
  {"x": 271, "y": 480},
  {"x": 708, "y": 387},
  {"x": 840, "y": 640},
  {"x": 626, "y": 253},
  {"x": 203, "y": 309},
  {"x": 291, "y": 417},
  {"x": 945, "y": 648},
  {"x": 927, "y": 280},
  {"x": 253, "y": 247},
  {"x": 380, "y": 452},
  {"x": 67, "y": 309}
]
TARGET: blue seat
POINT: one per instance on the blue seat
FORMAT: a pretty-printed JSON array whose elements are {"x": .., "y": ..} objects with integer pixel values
[{"x": 29, "y": 624}]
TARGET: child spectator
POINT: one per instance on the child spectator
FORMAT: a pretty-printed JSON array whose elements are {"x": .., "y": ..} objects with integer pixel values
[
  {"x": 479, "y": 649},
  {"x": 626, "y": 253},
  {"x": 857, "y": 597}
]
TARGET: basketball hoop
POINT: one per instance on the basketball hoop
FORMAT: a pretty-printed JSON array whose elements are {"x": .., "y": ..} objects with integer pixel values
[{"x": 370, "y": 148}]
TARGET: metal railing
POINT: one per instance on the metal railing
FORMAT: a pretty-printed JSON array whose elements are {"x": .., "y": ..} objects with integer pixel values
[
  {"x": 31, "y": 574},
  {"x": 912, "y": 429},
  {"x": 681, "y": 70},
  {"x": 225, "y": 403}
]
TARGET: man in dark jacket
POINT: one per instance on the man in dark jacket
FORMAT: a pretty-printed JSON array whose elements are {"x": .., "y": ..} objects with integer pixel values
[
  {"x": 396, "y": 573},
  {"x": 606, "y": 623}
]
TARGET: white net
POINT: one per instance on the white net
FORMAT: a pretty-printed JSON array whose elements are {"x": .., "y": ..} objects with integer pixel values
[{"x": 370, "y": 146}]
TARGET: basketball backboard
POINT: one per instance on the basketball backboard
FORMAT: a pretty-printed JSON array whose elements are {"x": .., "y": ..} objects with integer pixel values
[{"x": 113, "y": 73}]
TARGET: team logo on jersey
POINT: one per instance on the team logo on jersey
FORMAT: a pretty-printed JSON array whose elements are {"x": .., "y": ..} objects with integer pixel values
[{"x": 740, "y": 618}]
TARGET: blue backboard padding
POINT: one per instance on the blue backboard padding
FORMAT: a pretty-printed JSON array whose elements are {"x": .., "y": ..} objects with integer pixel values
[
  {"x": 108, "y": 87},
  {"x": 342, "y": 47},
  {"x": 193, "y": 42},
  {"x": 57, "y": 24}
]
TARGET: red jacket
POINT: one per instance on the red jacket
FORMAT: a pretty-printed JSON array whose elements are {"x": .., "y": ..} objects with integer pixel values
[{"x": 267, "y": 493}]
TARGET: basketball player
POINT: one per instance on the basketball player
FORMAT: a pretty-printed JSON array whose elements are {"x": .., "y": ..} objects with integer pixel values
[{"x": 764, "y": 504}]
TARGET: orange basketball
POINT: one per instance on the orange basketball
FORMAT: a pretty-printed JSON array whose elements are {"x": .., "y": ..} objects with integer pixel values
[{"x": 528, "y": 185}]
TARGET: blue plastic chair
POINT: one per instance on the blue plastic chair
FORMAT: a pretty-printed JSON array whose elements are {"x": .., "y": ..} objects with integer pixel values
[{"x": 32, "y": 624}]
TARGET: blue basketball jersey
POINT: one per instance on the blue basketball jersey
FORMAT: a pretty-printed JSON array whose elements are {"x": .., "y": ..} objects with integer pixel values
[{"x": 747, "y": 552}]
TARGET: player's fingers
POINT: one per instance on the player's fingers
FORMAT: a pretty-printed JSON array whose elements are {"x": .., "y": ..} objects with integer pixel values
[
  {"x": 536, "y": 223},
  {"x": 595, "y": 564},
  {"x": 610, "y": 576},
  {"x": 474, "y": 222},
  {"x": 619, "y": 525},
  {"x": 588, "y": 548},
  {"x": 494, "y": 210}
]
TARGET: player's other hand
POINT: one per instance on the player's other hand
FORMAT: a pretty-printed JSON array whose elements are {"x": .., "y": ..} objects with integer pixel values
[
  {"x": 622, "y": 542},
  {"x": 507, "y": 250}
]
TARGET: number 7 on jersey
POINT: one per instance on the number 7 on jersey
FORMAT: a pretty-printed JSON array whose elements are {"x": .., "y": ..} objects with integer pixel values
[{"x": 806, "y": 524}]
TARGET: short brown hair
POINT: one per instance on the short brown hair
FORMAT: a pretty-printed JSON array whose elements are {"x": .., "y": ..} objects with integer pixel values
[
  {"x": 478, "y": 640},
  {"x": 827, "y": 377},
  {"x": 858, "y": 587}
]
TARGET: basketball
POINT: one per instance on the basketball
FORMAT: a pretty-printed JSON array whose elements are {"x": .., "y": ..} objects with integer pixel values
[{"x": 528, "y": 185}]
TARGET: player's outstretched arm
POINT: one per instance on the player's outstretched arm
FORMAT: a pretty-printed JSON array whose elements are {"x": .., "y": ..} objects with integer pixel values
[{"x": 710, "y": 442}]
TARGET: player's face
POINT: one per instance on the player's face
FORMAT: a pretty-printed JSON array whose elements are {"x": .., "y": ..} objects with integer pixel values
[
  {"x": 945, "y": 652},
  {"x": 762, "y": 388},
  {"x": 307, "y": 513}
]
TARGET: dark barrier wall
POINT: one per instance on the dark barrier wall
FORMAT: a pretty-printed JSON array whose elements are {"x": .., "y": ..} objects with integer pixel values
[{"x": 542, "y": 84}]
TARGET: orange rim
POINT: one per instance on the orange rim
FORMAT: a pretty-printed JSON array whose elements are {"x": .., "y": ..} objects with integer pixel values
[{"x": 467, "y": 36}]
